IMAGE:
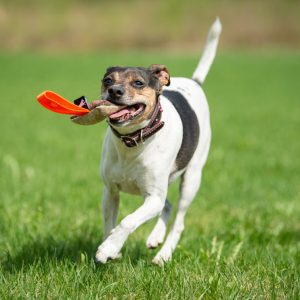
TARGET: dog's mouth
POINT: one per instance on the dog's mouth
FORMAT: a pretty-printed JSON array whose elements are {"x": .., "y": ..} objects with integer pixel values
[{"x": 127, "y": 113}]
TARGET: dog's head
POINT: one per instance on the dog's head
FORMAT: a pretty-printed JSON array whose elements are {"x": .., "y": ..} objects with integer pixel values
[{"x": 135, "y": 88}]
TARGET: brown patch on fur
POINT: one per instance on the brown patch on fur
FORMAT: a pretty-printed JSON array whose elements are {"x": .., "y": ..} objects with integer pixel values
[
  {"x": 145, "y": 95},
  {"x": 148, "y": 97}
]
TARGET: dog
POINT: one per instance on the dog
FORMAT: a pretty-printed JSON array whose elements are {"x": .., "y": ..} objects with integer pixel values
[{"x": 161, "y": 132}]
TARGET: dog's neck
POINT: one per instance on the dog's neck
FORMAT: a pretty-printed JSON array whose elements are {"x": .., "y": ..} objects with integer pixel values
[{"x": 145, "y": 130}]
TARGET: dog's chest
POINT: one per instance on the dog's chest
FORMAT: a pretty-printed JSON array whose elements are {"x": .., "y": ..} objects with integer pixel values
[
  {"x": 127, "y": 181},
  {"x": 124, "y": 176}
]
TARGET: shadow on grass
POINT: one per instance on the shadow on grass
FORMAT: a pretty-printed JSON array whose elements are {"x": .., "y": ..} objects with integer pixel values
[{"x": 75, "y": 250}]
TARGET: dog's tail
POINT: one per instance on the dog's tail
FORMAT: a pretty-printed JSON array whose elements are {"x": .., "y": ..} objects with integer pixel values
[{"x": 209, "y": 52}]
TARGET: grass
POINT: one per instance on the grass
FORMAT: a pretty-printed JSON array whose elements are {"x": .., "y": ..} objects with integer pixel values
[{"x": 242, "y": 237}]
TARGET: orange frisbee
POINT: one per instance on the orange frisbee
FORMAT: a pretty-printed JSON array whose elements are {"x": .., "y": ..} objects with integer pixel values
[{"x": 60, "y": 105}]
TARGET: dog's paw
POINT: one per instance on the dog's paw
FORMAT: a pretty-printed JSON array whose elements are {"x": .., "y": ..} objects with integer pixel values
[
  {"x": 156, "y": 237},
  {"x": 164, "y": 255},
  {"x": 106, "y": 252},
  {"x": 154, "y": 240}
]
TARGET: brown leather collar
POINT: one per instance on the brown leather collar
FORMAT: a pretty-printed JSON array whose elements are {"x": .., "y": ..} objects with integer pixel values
[{"x": 133, "y": 139}]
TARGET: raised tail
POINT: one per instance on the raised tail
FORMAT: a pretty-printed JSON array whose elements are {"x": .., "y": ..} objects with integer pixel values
[{"x": 209, "y": 52}]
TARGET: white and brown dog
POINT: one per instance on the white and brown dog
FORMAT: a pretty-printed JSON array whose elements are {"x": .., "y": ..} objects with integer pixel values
[{"x": 161, "y": 131}]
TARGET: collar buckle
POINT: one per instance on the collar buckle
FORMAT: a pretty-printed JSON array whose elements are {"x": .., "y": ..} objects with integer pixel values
[{"x": 129, "y": 141}]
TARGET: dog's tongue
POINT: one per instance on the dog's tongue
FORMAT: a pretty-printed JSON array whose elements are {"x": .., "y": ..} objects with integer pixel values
[{"x": 120, "y": 113}]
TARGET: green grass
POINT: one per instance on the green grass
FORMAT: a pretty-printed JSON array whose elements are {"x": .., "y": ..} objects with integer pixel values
[{"x": 242, "y": 237}]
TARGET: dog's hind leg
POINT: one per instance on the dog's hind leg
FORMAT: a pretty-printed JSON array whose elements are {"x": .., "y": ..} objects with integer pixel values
[
  {"x": 158, "y": 233},
  {"x": 189, "y": 186}
]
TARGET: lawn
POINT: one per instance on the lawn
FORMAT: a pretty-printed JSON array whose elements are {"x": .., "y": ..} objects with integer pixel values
[{"x": 242, "y": 236}]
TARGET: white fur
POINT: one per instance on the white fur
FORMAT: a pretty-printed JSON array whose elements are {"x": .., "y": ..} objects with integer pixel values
[
  {"x": 209, "y": 52},
  {"x": 148, "y": 169}
]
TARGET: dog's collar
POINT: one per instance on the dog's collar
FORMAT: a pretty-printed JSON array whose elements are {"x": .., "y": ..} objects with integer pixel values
[{"x": 155, "y": 124}]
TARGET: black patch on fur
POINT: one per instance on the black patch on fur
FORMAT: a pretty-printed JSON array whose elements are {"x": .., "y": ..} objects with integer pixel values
[{"x": 190, "y": 124}]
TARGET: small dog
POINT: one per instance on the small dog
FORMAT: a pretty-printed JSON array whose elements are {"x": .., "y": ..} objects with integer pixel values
[{"x": 161, "y": 132}]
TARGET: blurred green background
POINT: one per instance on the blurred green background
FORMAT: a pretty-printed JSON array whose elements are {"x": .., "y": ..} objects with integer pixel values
[{"x": 84, "y": 26}]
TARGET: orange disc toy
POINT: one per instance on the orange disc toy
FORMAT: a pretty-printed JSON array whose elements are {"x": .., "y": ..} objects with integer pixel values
[{"x": 60, "y": 105}]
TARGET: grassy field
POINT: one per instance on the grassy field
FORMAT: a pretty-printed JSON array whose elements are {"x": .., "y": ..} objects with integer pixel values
[{"x": 242, "y": 237}]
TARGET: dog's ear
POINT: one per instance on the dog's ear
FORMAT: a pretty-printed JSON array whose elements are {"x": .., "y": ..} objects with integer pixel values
[{"x": 161, "y": 73}]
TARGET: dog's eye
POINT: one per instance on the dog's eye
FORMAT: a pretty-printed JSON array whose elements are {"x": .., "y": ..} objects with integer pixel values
[
  {"x": 107, "y": 81},
  {"x": 138, "y": 83}
]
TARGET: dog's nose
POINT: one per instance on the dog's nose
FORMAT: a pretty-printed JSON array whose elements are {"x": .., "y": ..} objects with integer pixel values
[{"x": 116, "y": 91}]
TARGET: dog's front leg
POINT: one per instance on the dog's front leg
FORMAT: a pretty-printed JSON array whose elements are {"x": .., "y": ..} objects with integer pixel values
[
  {"x": 110, "y": 206},
  {"x": 112, "y": 245}
]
